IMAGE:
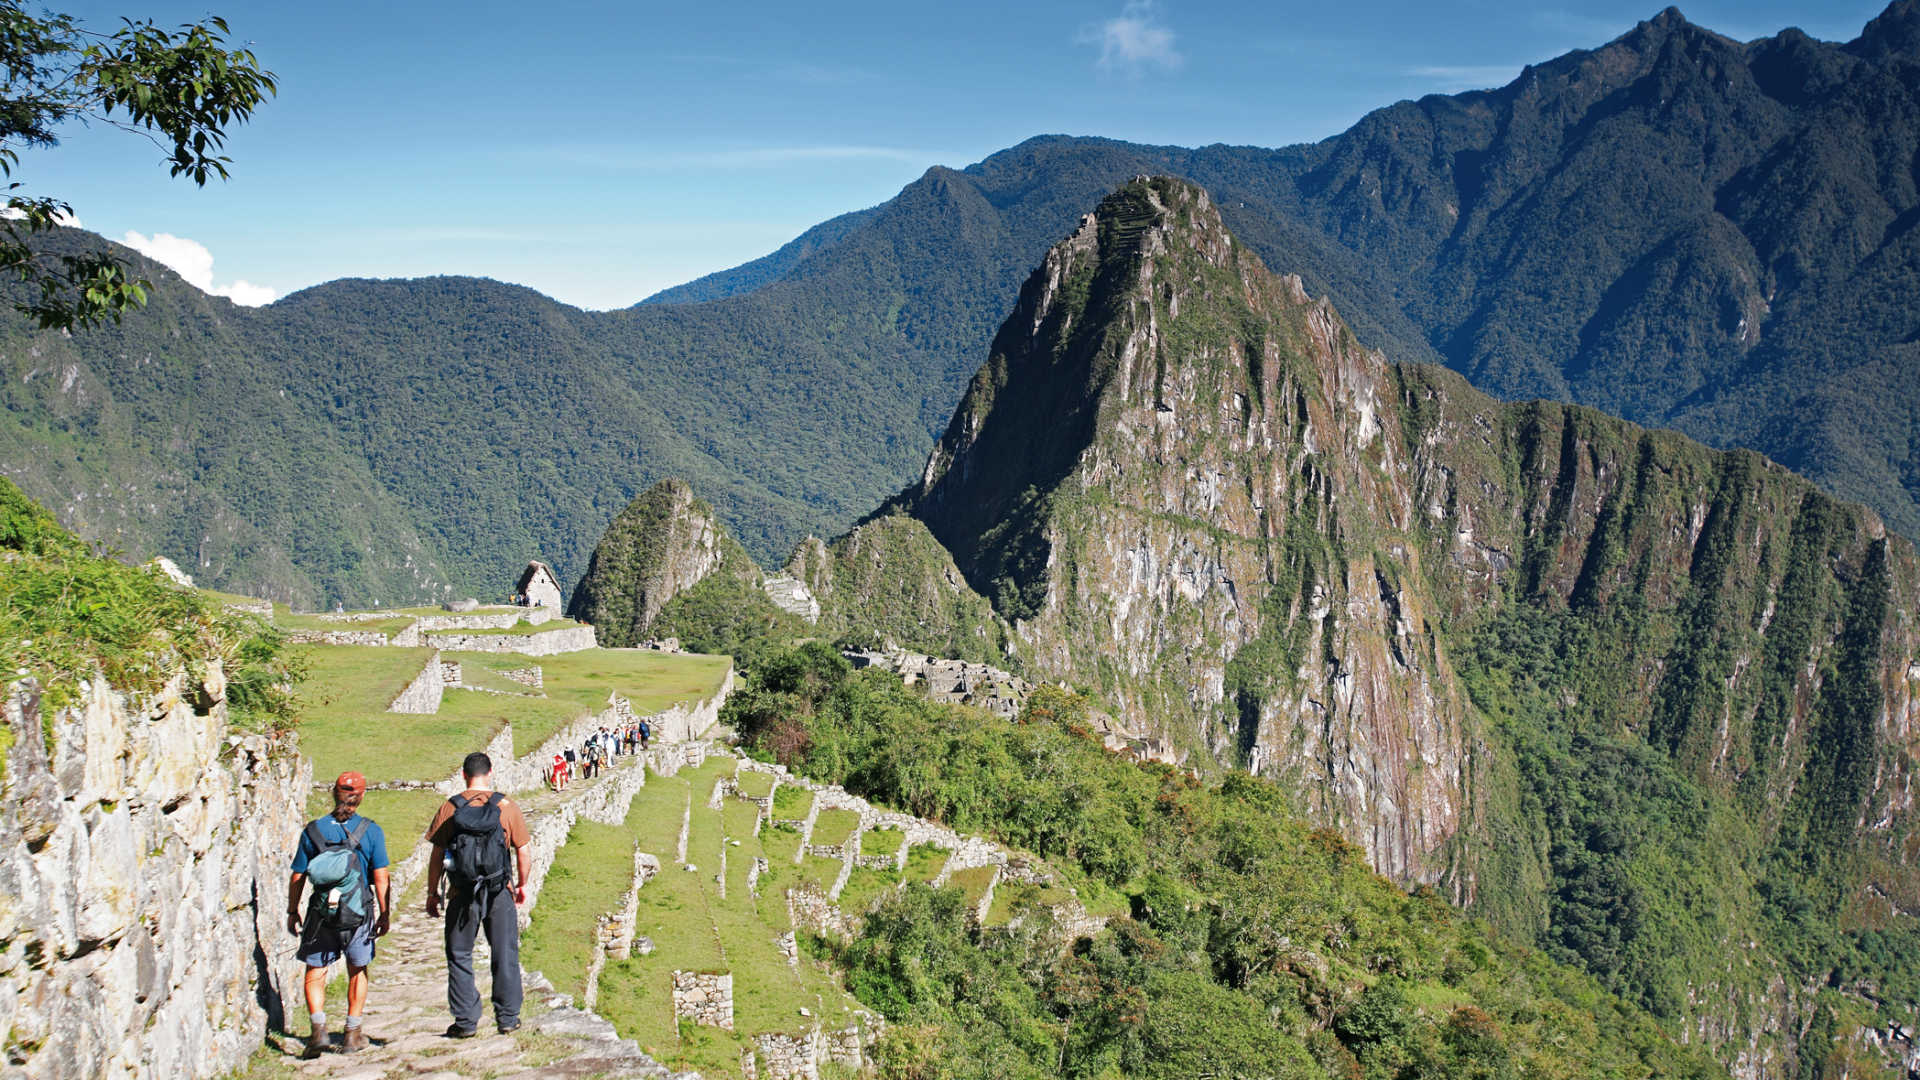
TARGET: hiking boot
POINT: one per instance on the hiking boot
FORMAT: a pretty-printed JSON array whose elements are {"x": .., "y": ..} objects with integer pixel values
[
  {"x": 510, "y": 1026},
  {"x": 316, "y": 1044},
  {"x": 355, "y": 1041},
  {"x": 457, "y": 1031}
]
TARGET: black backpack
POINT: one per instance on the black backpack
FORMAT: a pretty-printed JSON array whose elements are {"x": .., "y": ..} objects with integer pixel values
[
  {"x": 477, "y": 854},
  {"x": 342, "y": 898}
]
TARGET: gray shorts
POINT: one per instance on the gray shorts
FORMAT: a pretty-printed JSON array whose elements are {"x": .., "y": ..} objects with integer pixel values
[{"x": 320, "y": 946}]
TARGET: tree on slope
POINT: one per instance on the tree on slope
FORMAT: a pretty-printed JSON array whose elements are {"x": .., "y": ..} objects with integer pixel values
[{"x": 180, "y": 88}]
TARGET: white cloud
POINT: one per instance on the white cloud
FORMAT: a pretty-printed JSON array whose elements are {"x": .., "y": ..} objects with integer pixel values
[
  {"x": 1134, "y": 41},
  {"x": 193, "y": 262}
]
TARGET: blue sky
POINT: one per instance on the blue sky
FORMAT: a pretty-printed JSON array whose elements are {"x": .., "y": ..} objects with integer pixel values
[{"x": 600, "y": 152}]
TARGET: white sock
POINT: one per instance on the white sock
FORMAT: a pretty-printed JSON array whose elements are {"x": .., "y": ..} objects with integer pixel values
[
  {"x": 352, "y": 1021},
  {"x": 319, "y": 1020}
]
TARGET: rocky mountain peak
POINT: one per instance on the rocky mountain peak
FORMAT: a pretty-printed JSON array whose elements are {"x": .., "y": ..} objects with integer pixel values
[
  {"x": 663, "y": 543},
  {"x": 1894, "y": 32}
]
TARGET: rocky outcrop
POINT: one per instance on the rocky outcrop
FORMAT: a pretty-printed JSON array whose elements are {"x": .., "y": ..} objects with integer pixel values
[
  {"x": 1187, "y": 487},
  {"x": 664, "y": 543},
  {"x": 142, "y": 865}
]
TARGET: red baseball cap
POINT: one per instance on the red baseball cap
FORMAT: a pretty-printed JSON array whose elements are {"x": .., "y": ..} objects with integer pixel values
[{"x": 350, "y": 783}]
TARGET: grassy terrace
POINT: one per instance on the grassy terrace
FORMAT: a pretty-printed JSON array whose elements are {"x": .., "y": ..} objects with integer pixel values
[
  {"x": 692, "y": 926},
  {"x": 287, "y": 620},
  {"x": 345, "y": 723},
  {"x": 834, "y": 827},
  {"x": 973, "y": 881},
  {"x": 791, "y": 802},
  {"x": 754, "y": 784},
  {"x": 864, "y": 888},
  {"x": 577, "y": 684},
  {"x": 924, "y": 862},
  {"x": 881, "y": 841}
]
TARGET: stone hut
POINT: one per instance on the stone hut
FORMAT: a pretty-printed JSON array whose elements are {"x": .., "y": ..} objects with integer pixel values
[{"x": 538, "y": 587}]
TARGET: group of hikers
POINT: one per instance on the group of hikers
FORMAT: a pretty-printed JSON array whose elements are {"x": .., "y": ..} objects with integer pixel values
[
  {"x": 480, "y": 861},
  {"x": 597, "y": 752}
]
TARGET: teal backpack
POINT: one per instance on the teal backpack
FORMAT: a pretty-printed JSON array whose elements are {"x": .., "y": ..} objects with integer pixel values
[{"x": 342, "y": 898}]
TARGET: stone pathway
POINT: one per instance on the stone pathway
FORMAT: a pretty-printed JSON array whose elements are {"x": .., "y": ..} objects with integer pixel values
[{"x": 407, "y": 1009}]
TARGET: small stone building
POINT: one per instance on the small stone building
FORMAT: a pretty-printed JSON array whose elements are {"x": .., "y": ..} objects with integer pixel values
[{"x": 538, "y": 587}]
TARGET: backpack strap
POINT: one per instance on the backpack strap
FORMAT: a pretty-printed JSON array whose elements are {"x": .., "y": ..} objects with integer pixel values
[
  {"x": 496, "y": 799},
  {"x": 313, "y": 834},
  {"x": 359, "y": 833}
]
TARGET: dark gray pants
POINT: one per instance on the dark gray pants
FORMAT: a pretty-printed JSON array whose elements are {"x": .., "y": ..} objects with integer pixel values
[{"x": 467, "y": 916}]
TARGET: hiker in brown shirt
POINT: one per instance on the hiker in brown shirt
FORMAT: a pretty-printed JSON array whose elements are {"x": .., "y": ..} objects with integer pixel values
[{"x": 480, "y": 844}]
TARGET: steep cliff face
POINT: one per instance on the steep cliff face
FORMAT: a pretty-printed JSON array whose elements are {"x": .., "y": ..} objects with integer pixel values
[
  {"x": 662, "y": 544},
  {"x": 1173, "y": 457},
  {"x": 141, "y": 866},
  {"x": 1649, "y": 704}
]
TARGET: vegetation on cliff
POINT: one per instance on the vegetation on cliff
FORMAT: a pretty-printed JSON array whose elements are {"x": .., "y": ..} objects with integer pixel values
[
  {"x": 667, "y": 568},
  {"x": 1255, "y": 946},
  {"x": 66, "y": 613},
  {"x": 1635, "y": 700}
]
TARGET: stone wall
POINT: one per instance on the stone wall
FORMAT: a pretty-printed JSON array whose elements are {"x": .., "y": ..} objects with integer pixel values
[
  {"x": 337, "y": 637},
  {"x": 528, "y": 676},
  {"x": 450, "y": 675},
  {"x": 704, "y": 997},
  {"x": 687, "y": 723},
  {"x": 789, "y": 1057},
  {"x": 142, "y": 877},
  {"x": 545, "y": 643},
  {"x": 422, "y": 695},
  {"x": 528, "y": 771}
]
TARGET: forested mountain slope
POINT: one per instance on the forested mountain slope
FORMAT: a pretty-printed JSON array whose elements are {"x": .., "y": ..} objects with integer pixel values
[
  {"x": 1646, "y": 703},
  {"x": 1679, "y": 228}
]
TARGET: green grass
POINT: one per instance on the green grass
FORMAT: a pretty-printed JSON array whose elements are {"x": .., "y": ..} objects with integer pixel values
[
  {"x": 589, "y": 878},
  {"x": 740, "y": 815},
  {"x": 881, "y": 841},
  {"x": 819, "y": 871},
  {"x": 1011, "y": 897},
  {"x": 973, "y": 882},
  {"x": 488, "y": 677},
  {"x": 925, "y": 861},
  {"x": 791, "y": 802},
  {"x": 687, "y": 919},
  {"x": 652, "y": 681},
  {"x": 781, "y": 842},
  {"x": 534, "y": 719},
  {"x": 756, "y": 785},
  {"x": 345, "y": 723},
  {"x": 864, "y": 887},
  {"x": 834, "y": 827}
]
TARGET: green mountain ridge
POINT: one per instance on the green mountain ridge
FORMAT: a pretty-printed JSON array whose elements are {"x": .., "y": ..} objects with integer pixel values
[
  {"x": 1686, "y": 230},
  {"x": 1643, "y": 703}
]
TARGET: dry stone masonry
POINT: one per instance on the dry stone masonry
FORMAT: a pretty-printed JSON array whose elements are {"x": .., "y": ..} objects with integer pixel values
[
  {"x": 424, "y": 693},
  {"x": 704, "y": 997},
  {"x": 134, "y": 943}
]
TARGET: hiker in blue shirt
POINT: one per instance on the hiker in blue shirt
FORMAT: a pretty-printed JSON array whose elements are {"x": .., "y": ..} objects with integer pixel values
[{"x": 345, "y": 856}]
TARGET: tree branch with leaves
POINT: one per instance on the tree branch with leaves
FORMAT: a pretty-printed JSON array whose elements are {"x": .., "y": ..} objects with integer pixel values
[{"x": 181, "y": 88}]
